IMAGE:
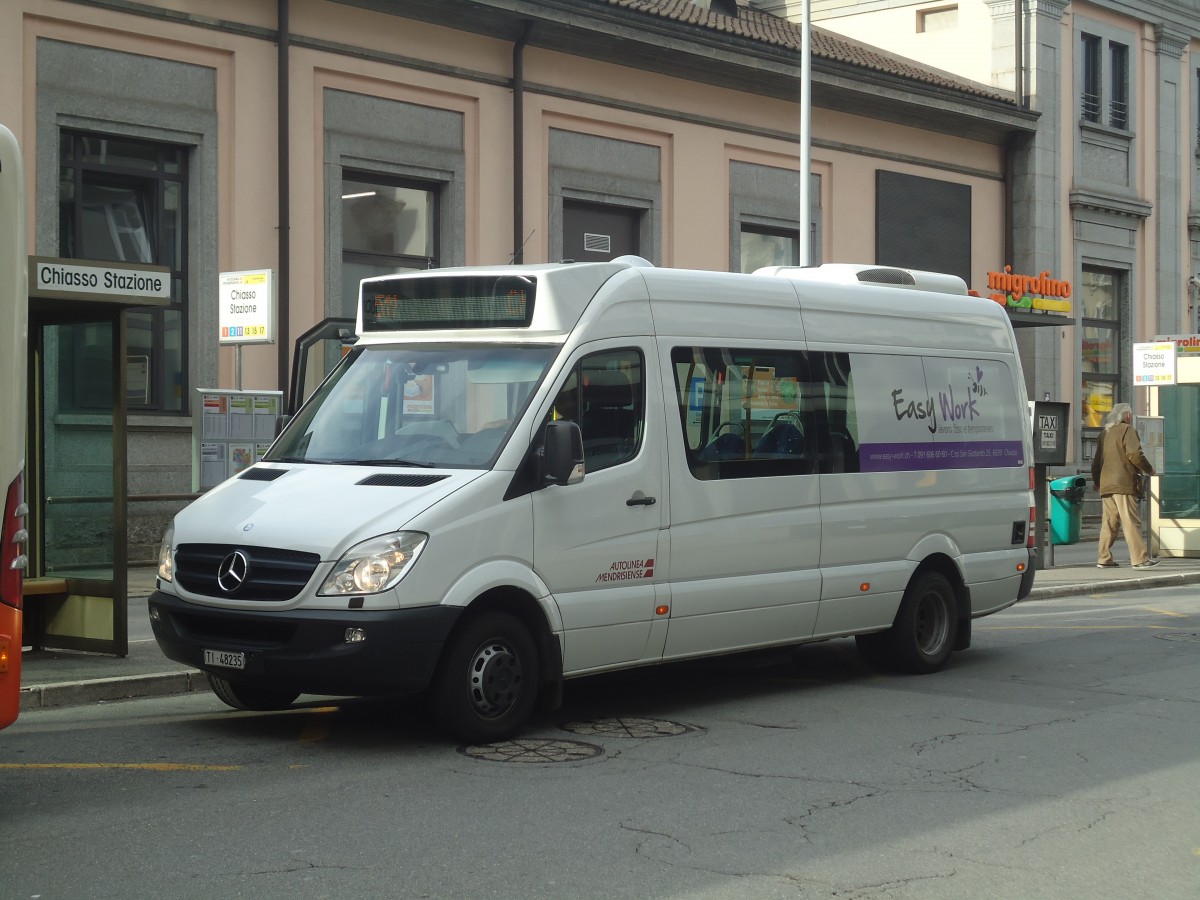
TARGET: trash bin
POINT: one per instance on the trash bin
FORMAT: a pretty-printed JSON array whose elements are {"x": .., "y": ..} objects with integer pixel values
[{"x": 1066, "y": 508}]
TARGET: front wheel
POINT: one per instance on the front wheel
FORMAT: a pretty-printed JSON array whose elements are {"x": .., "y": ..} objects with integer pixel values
[
  {"x": 244, "y": 696},
  {"x": 486, "y": 684}
]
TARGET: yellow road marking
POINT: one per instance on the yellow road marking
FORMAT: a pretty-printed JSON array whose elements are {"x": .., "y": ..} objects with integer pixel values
[
  {"x": 1067, "y": 627},
  {"x": 1167, "y": 612},
  {"x": 144, "y": 767}
]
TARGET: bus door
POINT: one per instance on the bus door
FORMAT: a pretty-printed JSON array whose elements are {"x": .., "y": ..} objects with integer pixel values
[{"x": 317, "y": 352}]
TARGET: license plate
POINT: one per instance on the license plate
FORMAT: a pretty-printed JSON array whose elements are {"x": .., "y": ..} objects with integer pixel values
[{"x": 228, "y": 659}]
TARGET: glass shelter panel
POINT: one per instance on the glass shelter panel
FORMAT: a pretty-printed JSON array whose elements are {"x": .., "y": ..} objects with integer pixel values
[
  {"x": 77, "y": 452},
  {"x": 1179, "y": 405}
]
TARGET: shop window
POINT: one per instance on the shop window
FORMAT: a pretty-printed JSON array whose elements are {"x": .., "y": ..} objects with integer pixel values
[
  {"x": 388, "y": 225},
  {"x": 125, "y": 201},
  {"x": 1100, "y": 299}
]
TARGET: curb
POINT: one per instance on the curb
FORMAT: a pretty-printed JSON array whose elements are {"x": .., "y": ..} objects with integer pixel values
[
  {"x": 100, "y": 690},
  {"x": 1123, "y": 584}
]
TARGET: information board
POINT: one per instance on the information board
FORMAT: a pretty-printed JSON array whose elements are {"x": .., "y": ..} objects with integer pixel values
[
  {"x": 231, "y": 430},
  {"x": 1152, "y": 432},
  {"x": 246, "y": 307},
  {"x": 1153, "y": 364}
]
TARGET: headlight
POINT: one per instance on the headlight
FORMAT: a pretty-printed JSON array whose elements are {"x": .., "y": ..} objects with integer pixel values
[
  {"x": 166, "y": 560},
  {"x": 374, "y": 565}
]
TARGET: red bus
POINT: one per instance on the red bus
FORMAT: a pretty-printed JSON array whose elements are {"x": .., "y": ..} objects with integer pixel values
[{"x": 14, "y": 303}]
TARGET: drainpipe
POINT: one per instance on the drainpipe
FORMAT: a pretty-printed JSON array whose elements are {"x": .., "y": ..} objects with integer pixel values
[
  {"x": 1019, "y": 50},
  {"x": 518, "y": 82},
  {"x": 282, "y": 292}
]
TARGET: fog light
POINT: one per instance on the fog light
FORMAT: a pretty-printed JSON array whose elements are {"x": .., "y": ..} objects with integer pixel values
[
  {"x": 155, "y": 615},
  {"x": 355, "y": 635}
]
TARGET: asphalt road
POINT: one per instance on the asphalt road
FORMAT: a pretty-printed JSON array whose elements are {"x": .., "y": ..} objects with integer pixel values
[{"x": 1058, "y": 758}]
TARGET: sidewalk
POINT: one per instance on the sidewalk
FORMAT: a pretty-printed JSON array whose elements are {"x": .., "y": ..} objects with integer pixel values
[{"x": 61, "y": 678}]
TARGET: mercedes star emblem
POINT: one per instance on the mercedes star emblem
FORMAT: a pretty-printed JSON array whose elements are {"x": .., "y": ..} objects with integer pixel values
[{"x": 232, "y": 572}]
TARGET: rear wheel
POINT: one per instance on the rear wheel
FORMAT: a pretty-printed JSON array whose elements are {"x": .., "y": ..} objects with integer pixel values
[
  {"x": 924, "y": 633},
  {"x": 245, "y": 696},
  {"x": 487, "y": 681}
]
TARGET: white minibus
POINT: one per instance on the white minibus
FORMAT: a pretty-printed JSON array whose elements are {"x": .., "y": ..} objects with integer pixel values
[{"x": 522, "y": 475}]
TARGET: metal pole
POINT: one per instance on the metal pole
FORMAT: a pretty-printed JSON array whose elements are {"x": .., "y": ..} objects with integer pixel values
[{"x": 806, "y": 137}]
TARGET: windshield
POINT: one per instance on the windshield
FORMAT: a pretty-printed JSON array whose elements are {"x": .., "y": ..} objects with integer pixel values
[{"x": 427, "y": 405}]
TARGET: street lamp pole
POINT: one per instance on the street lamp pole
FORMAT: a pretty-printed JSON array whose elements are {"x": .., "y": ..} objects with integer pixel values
[{"x": 805, "y": 136}]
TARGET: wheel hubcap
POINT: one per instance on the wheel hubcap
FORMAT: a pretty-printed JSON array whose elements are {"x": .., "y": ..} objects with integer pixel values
[
  {"x": 495, "y": 679},
  {"x": 933, "y": 624}
]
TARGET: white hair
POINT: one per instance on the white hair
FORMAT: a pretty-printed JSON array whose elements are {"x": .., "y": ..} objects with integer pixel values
[{"x": 1118, "y": 414}]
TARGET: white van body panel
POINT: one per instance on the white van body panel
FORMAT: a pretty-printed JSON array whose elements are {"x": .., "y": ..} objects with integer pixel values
[
  {"x": 311, "y": 508},
  {"x": 744, "y": 568}
]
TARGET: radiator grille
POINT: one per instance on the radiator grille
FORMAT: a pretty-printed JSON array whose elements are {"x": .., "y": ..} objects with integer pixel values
[{"x": 270, "y": 574}]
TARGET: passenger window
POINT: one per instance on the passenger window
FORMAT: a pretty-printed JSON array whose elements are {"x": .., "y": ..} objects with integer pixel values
[
  {"x": 750, "y": 413},
  {"x": 604, "y": 394}
]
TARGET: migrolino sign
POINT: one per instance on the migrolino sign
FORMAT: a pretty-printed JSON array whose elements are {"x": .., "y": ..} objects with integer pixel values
[{"x": 1029, "y": 293}]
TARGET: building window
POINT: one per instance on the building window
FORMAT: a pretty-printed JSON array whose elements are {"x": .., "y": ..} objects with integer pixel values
[
  {"x": 1100, "y": 298},
  {"x": 389, "y": 225},
  {"x": 943, "y": 18},
  {"x": 1118, "y": 98},
  {"x": 763, "y": 247},
  {"x": 1101, "y": 94},
  {"x": 123, "y": 200}
]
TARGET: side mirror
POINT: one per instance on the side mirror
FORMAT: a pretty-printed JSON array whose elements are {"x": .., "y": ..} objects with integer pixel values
[{"x": 562, "y": 453}]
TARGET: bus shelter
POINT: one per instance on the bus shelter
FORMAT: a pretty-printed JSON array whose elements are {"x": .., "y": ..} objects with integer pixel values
[
  {"x": 80, "y": 375},
  {"x": 1175, "y": 503}
]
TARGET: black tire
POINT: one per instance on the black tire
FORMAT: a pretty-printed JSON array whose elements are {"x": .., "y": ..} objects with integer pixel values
[
  {"x": 244, "y": 696},
  {"x": 926, "y": 628},
  {"x": 487, "y": 681}
]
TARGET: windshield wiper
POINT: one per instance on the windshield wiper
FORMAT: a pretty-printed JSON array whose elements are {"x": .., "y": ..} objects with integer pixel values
[{"x": 407, "y": 463}]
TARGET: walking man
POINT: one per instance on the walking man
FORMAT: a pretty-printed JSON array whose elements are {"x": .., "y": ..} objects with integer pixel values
[{"x": 1117, "y": 471}]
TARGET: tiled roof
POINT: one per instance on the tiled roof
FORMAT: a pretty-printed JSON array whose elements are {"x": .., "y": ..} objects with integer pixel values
[{"x": 755, "y": 25}]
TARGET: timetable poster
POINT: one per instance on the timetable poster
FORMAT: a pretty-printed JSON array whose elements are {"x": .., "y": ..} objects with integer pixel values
[{"x": 231, "y": 432}]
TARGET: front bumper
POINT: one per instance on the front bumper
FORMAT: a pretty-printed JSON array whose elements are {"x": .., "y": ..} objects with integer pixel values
[{"x": 306, "y": 650}]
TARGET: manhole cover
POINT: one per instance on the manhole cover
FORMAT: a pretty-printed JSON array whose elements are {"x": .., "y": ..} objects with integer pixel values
[
  {"x": 533, "y": 750},
  {"x": 627, "y": 727},
  {"x": 1189, "y": 636}
]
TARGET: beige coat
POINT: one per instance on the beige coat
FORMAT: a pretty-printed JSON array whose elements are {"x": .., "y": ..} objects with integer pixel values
[{"x": 1120, "y": 455}]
